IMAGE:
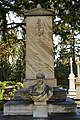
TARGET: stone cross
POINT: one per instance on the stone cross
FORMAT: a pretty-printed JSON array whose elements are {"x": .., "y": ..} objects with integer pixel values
[
  {"x": 72, "y": 91},
  {"x": 78, "y": 66},
  {"x": 78, "y": 79},
  {"x": 71, "y": 64}
]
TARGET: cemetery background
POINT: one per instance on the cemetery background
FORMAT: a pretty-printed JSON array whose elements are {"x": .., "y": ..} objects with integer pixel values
[
  {"x": 7, "y": 89},
  {"x": 67, "y": 29}
]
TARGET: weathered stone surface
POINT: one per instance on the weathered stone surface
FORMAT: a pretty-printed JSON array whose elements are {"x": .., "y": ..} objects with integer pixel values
[
  {"x": 18, "y": 108},
  {"x": 50, "y": 117},
  {"x": 40, "y": 111},
  {"x": 38, "y": 11},
  {"x": 59, "y": 94},
  {"x": 39, "y": 47},
  {"x": 24, "y": 108}
]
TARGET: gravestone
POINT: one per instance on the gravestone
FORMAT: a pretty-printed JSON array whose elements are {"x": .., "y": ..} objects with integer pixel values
[
  {"x": 72, "y": 90},
  {"x": 78, "y": 79},
  {"x": 77, "y": 99},
  {"x": 40, "y": 97},
  {"x": 39, "y": 46}
]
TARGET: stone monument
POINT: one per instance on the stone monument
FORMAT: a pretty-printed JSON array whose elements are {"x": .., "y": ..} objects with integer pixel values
[
  {"x": 72, "y": 90},
  {"x": 78, "y": 79},
  {"x": 40, "y": 96},
  {"x": 78, "y": 83},
  {"x": 39, "y": 46}
]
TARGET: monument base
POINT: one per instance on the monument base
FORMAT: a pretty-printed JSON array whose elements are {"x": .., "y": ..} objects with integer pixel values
[
  {"x": 40, "y": 111},
  {"x": 20, "y": 107},
  {"x": 77, "y": 101},
  {"x": 28, "y": 108},
  {"x": 72, "y": 93}
]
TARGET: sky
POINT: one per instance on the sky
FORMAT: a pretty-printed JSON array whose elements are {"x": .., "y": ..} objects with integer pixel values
[{"x": 11, "y": 17}]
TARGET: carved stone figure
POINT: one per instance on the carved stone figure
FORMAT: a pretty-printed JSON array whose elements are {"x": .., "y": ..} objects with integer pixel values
[{"x": 40, "y": 92}]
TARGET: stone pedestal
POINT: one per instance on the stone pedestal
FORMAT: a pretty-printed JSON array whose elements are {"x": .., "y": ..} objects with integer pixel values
[
  {"x": 72, "y": 90},
  {"x": 51, "y": 107},
  {"x": 77, "y": 99},
  {"x": 78, "y": 79},
  {"x": 40, "y": 111},
  {"x": 20, "y": 107},
  {"x": 72, "y": 93},
  {"x": 78, "y": 87}
]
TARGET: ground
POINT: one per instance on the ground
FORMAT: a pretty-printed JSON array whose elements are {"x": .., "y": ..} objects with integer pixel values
[{"x": 51, "y": 117}]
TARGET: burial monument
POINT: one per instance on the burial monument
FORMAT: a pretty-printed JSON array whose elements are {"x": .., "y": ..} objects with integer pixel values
[
  {"x": 40, "y": 96},
  {"x": 72, "y": 78},
  {"x": 77, "y": 98},
  {"x": 39, "y": 46}
]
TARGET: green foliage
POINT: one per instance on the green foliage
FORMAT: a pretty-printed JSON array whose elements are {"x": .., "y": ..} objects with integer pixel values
[
  {"x": 12, "y": 58},
  {"x": 5, "y": 70},
  {"x": 7, "y": 89},
  {"x": 67, "y": 27},
  {"x": 62, "y": 73}
]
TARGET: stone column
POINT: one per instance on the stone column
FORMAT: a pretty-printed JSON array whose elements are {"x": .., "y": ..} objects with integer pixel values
[
  {"x": 40, "y": 111},
  {"x": 78, "y": 66},
  {"x": 78, "y": 79},
  {"x": 72, "y": 90}
]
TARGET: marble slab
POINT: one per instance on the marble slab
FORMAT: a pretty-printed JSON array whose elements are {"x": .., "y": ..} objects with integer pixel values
[
  {"x": 40, "y": 110},
  {"x": 18, "y": 109},
  {"x": 39, "y": 47}
]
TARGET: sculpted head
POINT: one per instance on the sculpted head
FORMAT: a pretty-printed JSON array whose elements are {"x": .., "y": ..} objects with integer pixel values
[{"x": 40, "y": 77}]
